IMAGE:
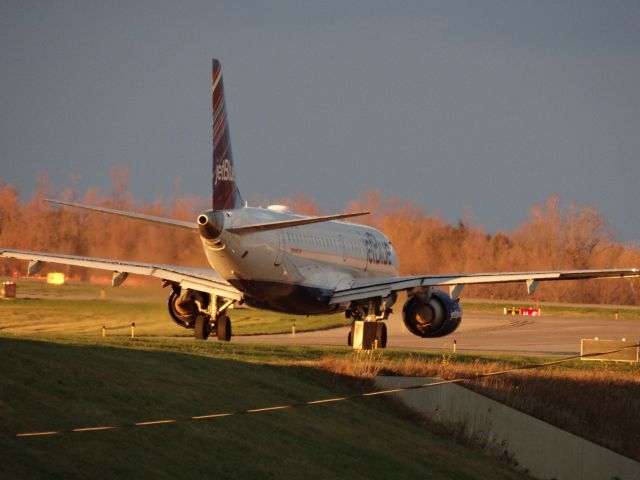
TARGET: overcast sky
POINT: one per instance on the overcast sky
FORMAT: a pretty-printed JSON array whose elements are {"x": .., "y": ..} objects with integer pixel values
[{"x": 484, "y": 105}]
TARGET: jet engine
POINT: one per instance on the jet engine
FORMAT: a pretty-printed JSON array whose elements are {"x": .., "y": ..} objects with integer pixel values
[
  {"x": 183, "y": 308},
  {"x": 434, "y": 316}
]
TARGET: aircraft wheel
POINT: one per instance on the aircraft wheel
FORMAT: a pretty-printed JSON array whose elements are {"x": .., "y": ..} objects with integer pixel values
[
  {"x": 381, "y": 335},
  {"x": 223, "y": 329},
  {"x": 202, "y": 327}
]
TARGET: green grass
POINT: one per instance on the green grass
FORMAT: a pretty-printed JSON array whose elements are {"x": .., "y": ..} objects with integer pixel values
[
  {"x": 58, "y": 370},
  {"x": 77, "y": 382},
  {"x": 82, "y": 309}
]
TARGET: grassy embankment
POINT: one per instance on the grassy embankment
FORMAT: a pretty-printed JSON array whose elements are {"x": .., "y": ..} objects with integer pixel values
[
  {"x": 593, "y": 400},
  {"x": 65, "y": 383}
]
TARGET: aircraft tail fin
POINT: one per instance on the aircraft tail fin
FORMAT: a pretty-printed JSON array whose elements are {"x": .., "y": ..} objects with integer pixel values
[{"x": 225, "y": 191}]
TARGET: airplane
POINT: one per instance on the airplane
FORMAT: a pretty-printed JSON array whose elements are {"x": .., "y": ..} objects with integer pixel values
[{"x": 270, "y": 258}]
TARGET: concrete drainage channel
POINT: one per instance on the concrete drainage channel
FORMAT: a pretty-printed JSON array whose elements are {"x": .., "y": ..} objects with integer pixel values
[{"x": 542, "y": 449}]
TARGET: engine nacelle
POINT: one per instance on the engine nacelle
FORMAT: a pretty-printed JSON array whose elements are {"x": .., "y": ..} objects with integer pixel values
[
  {"x": 436, "y": 316},
  {"x": 183, "y": 308}
]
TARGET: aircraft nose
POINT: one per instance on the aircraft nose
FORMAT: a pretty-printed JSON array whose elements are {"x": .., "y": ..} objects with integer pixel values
[{"x": 210, "y": 225}]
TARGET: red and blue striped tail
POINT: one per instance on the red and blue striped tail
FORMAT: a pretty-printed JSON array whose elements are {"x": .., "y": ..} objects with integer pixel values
[{"x": 226, "y": 195}]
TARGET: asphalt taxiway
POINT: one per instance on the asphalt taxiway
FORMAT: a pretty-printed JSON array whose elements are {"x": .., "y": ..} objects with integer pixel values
[{"x": 484, "y": 332}]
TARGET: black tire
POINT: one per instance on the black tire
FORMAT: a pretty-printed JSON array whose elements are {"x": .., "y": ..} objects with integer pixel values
[
  {"x": 202, "y": 327},
  {"x": 223, "y": 328},
  {"x": 381, "y": 335}
]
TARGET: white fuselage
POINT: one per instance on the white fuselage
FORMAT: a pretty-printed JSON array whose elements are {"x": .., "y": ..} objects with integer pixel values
[{"x": 297, "y": 268}]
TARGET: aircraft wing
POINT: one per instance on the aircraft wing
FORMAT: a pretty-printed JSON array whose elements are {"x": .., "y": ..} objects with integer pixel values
[
  {"x": 383, "y": 287},
  {"x": 205, "y": 280}
]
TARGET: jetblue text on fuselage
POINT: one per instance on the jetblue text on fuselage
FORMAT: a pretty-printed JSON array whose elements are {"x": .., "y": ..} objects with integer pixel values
[{"x": 377, "y": 252}]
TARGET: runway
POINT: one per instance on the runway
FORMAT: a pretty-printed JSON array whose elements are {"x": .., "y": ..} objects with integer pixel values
[{"x": 484, "y": 333}]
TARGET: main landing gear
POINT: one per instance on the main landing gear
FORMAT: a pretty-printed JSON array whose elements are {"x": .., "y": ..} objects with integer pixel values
[
  {"x": 368, "y": 331},
  {"x": 213, "y": 320},
  {"x": 204, "y": 327}
]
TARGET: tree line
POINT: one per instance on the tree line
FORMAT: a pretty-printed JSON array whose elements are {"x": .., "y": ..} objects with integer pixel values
[{"x": 552, "y": 237}]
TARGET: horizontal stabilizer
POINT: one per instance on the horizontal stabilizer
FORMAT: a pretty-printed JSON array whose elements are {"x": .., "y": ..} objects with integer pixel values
[
  {"x": 262, "y": 227},
  {"x": 138, "y": 216}
]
